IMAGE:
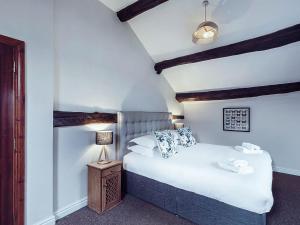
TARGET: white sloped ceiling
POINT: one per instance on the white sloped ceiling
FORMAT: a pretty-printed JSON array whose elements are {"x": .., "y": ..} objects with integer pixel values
[{"x": 165, "y": 32}]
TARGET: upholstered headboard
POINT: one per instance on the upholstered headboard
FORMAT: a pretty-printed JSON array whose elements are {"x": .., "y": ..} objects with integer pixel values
[{"x": 136, "y": 124}]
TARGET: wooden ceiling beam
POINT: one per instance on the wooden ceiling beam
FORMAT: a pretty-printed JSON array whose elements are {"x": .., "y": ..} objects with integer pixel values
[
  {"x": 63, "y": 119},
  {"x": 137, "y": 8},
  {"x": 239, "y": 92},
  {"x": 178, "y": 117},
  {"x": 274, "y": 40}
]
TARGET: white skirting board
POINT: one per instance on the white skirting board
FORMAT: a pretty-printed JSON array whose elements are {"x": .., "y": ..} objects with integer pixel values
[
  {"x": 286, "y": 170},
  {"x": 48, "y": 221},
  {"x": 70, "y": 208}
]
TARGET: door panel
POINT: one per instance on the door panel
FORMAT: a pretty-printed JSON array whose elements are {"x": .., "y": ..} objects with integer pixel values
[
  {"x": 6, "y": 134},
  {"x": 111, "y": 191}
]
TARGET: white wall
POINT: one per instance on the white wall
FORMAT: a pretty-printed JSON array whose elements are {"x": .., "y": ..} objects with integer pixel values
[
  {"x": 100, "y": 66},
  {"x": 275, "y": 123},
  {"x": 74, "y": 148},
  {"x": 31, "y": 21}
]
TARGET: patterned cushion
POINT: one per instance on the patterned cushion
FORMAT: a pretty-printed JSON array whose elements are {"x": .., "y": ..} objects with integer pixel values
[
  {"x": 186, "y": 137},
  {"x": 175, "y": 136},
  {"x": 165, "y": 143}
]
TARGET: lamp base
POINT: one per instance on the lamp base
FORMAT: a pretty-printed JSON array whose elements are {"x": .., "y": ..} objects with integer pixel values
[{"x": 103, "y": 162}]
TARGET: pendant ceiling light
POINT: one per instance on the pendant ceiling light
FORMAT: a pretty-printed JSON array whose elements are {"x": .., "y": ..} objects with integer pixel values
[{"x": 207, "y": 31}]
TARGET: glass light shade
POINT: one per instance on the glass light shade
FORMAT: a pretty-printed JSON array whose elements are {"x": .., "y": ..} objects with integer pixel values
[
  {"x": 104, "y": 137},
  {"x": 206, "y": 33}
]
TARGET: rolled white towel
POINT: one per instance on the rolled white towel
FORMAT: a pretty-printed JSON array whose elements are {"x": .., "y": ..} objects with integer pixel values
[
  {"x": 250, "y": 146},
  {"x": 239, "y": 163},
  {"x": 240, "y": 148},
  {"x": 226, "y": 166},
  {"x": 246, "y": 170},
  {"x": 246, "y": 150},
  {"x": 236, "y": 166}
]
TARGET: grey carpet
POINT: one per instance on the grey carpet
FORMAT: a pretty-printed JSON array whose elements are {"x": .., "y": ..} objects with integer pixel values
[
  {"x": 132, "y": 211},
  {"x": 286, "y": 208}
]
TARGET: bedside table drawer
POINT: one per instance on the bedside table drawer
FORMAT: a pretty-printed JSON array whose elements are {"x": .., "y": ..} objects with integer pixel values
[{"x": 111, "y": 170}]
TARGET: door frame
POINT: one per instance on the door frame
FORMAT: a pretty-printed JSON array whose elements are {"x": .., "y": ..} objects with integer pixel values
[{"x": 19, "y": 128}]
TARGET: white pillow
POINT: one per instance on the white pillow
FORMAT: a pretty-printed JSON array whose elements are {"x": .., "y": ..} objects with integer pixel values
[
  {"x": 148, "y": 141},
  {"x": 142, "y": 150}
]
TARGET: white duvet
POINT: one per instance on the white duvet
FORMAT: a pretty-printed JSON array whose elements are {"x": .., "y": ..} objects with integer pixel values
[{"x": 196, "y": 169}]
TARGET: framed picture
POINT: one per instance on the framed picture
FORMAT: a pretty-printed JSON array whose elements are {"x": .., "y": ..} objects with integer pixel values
[{"x": 236, "y": 119}]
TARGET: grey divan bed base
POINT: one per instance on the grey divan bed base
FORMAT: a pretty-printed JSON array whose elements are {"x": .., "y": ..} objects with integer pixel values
[{"x": 196, "y": 208}]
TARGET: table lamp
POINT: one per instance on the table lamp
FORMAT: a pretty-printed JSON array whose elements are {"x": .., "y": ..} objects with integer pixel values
[
  {"x": 104, "y": 138},
  {"x": 178, "y": 125}
]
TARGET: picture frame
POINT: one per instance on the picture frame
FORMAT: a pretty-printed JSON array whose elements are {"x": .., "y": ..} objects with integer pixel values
[{"x": 236, "y": 119}]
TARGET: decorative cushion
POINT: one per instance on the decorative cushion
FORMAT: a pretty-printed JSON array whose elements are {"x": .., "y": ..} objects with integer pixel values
[
  {"x": 186, "y": 137},
  {"x": 175, "y": 137},
  {"x": 165, "y": 143}
]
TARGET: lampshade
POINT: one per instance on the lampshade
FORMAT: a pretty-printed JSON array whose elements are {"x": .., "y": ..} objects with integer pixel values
[
  {"x": 104, "y": 137},
  {"x": 207, "y": 31},
  {"x": 178, "y": 125}
]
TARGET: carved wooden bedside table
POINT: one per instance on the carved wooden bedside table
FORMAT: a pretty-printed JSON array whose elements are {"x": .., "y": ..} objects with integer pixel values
[{"x": 104, "y": 185}]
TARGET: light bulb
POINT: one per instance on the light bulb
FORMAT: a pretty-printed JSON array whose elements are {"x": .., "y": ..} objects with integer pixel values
[{"x": 208, "y": 34}]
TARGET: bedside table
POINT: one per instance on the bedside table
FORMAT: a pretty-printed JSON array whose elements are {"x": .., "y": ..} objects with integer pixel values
[{"x": 104, "y": 185}]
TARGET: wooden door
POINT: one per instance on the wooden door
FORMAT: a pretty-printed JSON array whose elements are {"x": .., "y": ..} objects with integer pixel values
[
  {"x": 6, "y": 134},
  {"x": 12, "y": 131},
  {"x": 111, "y": 190}
]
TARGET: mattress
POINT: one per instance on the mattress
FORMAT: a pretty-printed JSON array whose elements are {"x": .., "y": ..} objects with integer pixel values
[{"x": 196, "y": 169}]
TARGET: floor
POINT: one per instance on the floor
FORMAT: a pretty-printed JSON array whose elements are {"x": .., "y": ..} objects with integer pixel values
[
  {"x": 286, "y": 208},
  {"x": 132, "y": 211}
]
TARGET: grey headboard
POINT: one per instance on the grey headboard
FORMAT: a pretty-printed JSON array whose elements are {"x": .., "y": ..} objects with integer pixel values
[{"x": 135, "y": 124}]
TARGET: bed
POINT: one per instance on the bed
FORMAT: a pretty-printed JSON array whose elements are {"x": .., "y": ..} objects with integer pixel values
[{"x": 190, "y": 184}]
